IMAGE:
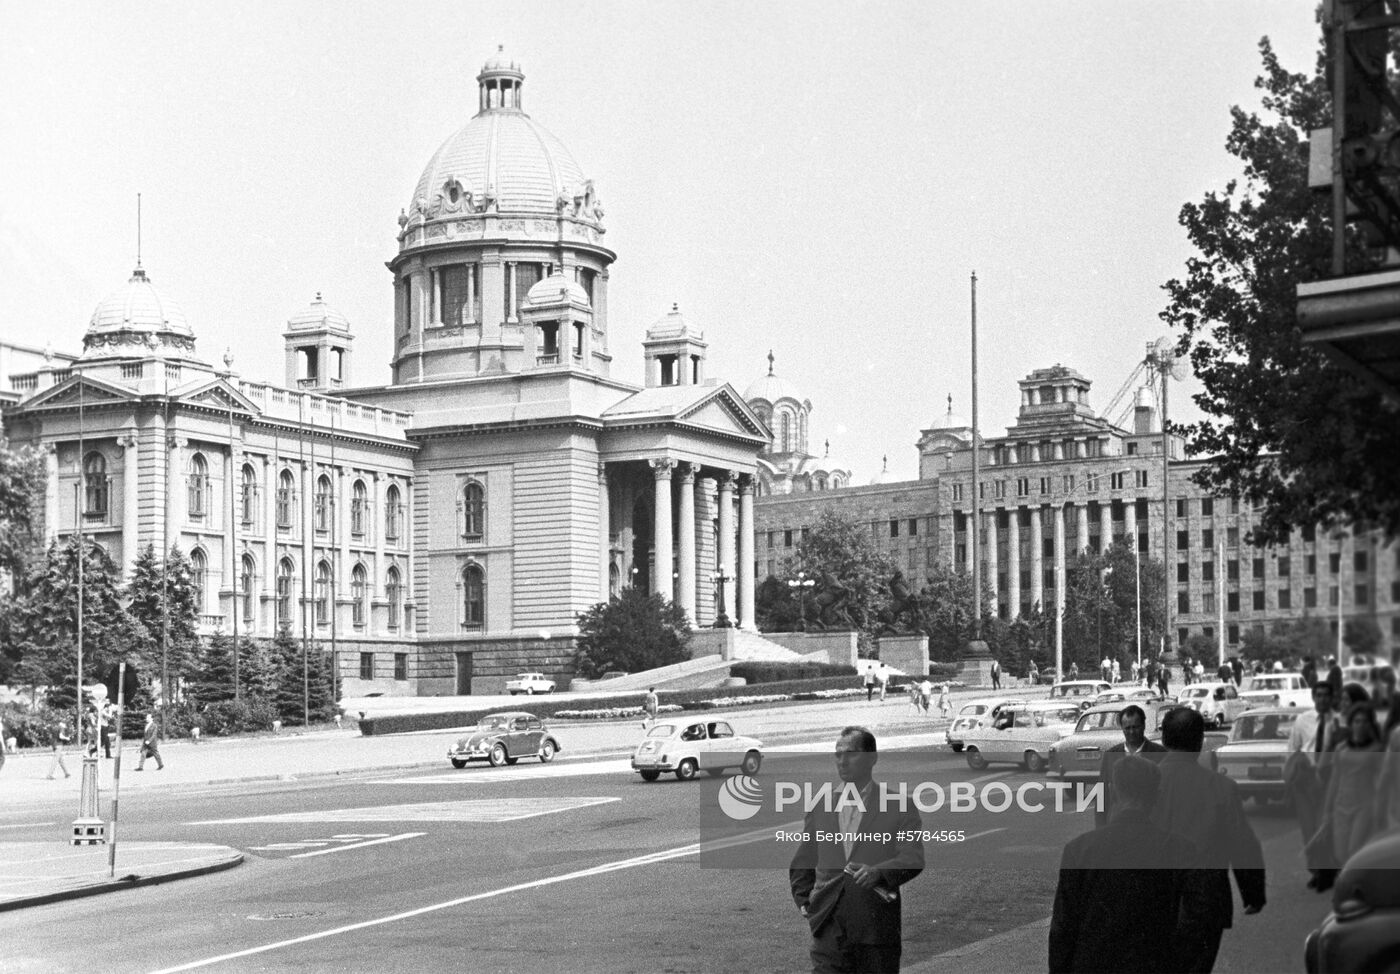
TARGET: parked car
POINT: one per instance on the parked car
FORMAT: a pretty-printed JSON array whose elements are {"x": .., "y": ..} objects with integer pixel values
[
  {"x": 529, "y": 683},
  {"x": 970, "y": 715},
  {"x": 1254, "y": 756},
  {"x": 1020, "y": 733},
  {"x": 1047, "y": 677},
  {"x": 1360, "y": 932},
  {"x": 1276, "y": 690},
  {"x": 691, "y": 746},
  {"x": 1219, "y": 703},
  {"x": 1082, "y": 692},
  {"x": 1125, "y": 694},
  {"x": 505, "y": 739},
  {"x": 1097, "y": 730}
]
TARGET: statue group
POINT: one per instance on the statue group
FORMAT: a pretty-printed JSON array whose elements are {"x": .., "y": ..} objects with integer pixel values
[{"x": 831, "y": 606}]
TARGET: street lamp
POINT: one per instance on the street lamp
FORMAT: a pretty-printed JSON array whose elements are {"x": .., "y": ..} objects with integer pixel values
[
  {"x": 802, "y": 583},
  {"x": 721, "y": 620},
  {"x": 1060, "y": 567}
]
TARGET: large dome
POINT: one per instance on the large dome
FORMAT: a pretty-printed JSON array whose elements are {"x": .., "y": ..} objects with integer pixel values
[{"x": 135, "y": 320}]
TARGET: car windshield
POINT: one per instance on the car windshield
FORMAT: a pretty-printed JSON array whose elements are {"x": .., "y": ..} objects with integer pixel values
[
  {"x": 1269, "y": 683},
  {"x": 1198, "y": 692},
  {"x": 1263, "y": 727},
  {"x": 493, "y": 723},
  {"x": 1095, "y": 721},
  {"x": 662, "y": 730}
]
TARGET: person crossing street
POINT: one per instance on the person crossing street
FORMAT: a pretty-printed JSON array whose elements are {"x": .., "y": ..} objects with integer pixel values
[{"x": 150, "y": 745}]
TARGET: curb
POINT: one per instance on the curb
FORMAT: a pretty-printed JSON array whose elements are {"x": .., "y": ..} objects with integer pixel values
[{"x": 130, "y": 881}]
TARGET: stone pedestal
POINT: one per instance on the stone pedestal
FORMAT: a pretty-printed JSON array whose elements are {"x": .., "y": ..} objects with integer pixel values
[
  {"x": 976, "y": 668},
  {"x": 907, "y": 653}
]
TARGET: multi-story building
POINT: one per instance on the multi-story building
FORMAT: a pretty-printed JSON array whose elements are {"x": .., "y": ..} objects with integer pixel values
[{"x": 1064, "y": 479}]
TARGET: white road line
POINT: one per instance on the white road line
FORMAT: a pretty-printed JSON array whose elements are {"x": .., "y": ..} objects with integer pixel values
[
  {"x": 28, "y": 825},
  {"x": 646, "y": 860},
  {"x": 358, "y": 845}
]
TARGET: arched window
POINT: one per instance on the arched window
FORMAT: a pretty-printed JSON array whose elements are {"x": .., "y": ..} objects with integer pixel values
[
  {"x": 285, "y": 574},
  {"x": 95, "y": 497},
  {"x": 614, "y": 581},
  {"x": 473, "y": 510},
  {"x": 393, "y": 594},
  {"x": 357, "y": 595},
  {"x": 474, "y": 597},
  {"x": 786, "y": 438},
  {"x": 286, "y": 499},
  {"x": 247, "y": 580},
  {"x": 199, "y": 569},
  {"x": 393, "y": 513},
  {"x": 198, "y": 483},
  {"x": 359, "y": 509},
  {"x": 323, "y": 594},
  {"x": 323, "y": 504},
  {"x": 248, "y": 496}
]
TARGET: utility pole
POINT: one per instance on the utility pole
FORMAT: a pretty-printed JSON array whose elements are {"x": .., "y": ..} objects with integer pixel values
[{"x": 974, "y": 528}]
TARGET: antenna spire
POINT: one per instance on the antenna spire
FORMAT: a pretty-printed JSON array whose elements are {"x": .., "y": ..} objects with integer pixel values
[{"x": 138, "y": 231}]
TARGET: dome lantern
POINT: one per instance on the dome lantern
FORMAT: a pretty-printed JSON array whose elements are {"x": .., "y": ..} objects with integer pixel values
[{"x": 499, "y": 83}]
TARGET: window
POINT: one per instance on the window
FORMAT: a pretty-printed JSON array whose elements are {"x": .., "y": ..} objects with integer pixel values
[
  {"x": 199, "y": 571},
  {"x": 913, "y": 526},
  {"x": 366, "y": 666},
  {"x": 1285, "y": 599},
  {"x": 1259, "y": 568},
  {"x": 400, "y": 666},
  {"x": 1232, "y": 570},
  {"x": 1045, "y": 485},
  {"x": 787, "y": 538},
  {"x": 1183, "y": 540},
  {"x": 1183, "y": 602},
  {"x": 1333, "y": 594},
  {"x": 452, "y": 294},
  {"x": 1359, "y": 561},
  {"x": 322, "y": 594},
  {"x": 1181, "y": 507},
  {"x": 894, "y": 527},
  {"x": 1115, "y": 480},
  {"x": 393, "y": 594},
  {"x": 1208, "y": 602},
  {"x": 1234, "y": 505},
  {"x": 473, "y": 510},
  {"x": 1183, "y": 572},
  {"x": 1310, "y": 564},
  {"x": 1283, "y": 566},
  {"x": 1258, "y": 601},
  {"x": 197, "y": 482},
  {"x": 359, "y": 509},
  {"x": 1207, "y": 507},
  {"x": 1334, "y": 562},
  {"x": 1232, "y": 634},
  {"x": 1232, "y": 537},
  {"x": 248, "y": 496},
  {"x": 1207, "y": 571},
  {"x": 357, "y": 595},
  {"x": 1310, "y": 598},
  {"x": 1363, "y": 595},
  {"x": 284, "y": 592},
  {"x": 1232, "y": 602},
  {"x": 1068, "y": 482},
  {"x": 957, "y": 492},
  {"x": 95, "y": 496},
  {"x": 1141, "y": 478},
  {"x": 247, "y": 579},
  {"x": 322, "y": 504},
  {"x": 1208, "y": 539},
  {"x": 286, "y": 499},
  {"x": 393, "y": 512},
  {"x": 474, "y": 597},
  {"x": 1091, "y": 482},
  {"x": 1023, "y": 486}
]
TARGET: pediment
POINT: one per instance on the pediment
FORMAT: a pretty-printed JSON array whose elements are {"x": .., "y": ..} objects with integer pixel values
[
  {"x": 221, "y": 396},
  {"x": 80, "y": 389},
  {"x": 723, "y": 410}
]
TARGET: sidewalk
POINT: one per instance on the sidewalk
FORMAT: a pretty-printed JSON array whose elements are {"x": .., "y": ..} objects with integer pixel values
[{"x": 52, "y": 869}]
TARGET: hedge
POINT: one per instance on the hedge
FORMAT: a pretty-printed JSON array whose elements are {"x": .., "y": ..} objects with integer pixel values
[{"x": 775, "y": 671}]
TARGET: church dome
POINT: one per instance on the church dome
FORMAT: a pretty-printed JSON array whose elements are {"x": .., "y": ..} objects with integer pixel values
[
  {"x": 950, "y": 420},
  {"x": 137, "y": 320},
  {"x": 318, "y": 316},
  {"x": 884, "y": 476},
  {"x": 772, "y": 388},
  {"x": 501, "y": 162}
]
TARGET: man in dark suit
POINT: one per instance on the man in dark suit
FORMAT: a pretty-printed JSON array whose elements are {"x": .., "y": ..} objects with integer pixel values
[
  {"x": 1124, "y": 901},
  {"x": 847, "y": 883},
  {"x": 1133, "y": 722},
  {"x": 1204, "y": 808}
]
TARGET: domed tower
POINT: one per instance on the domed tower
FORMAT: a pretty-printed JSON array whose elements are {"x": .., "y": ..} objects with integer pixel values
[
  {"x": 138, "y": 321},
  {"x": 318, "y": 348},
  {"x": 946, "y": 435},
  {"x": 783, "y": 409},
  {"x": 674, "y": 350},
  {"x": 501, "y": 207}
]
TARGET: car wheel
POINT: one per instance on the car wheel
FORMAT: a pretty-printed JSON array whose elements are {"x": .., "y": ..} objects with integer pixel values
[
  {"x": 687, "y": 769},
  {"x": 752, "y": 762},
  {"x": 649, "y": 775},
  {"x": 498, "y": 755},
  {"x": 1034, "y": 762},
  {"x": 546, "y": 752},
  {"x": 529, "y": 691},
  {"x": 458, "y": 763},
  {"x": 975, "y": 760}
]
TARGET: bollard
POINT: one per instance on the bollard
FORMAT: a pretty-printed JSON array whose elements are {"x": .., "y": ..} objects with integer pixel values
[{"x": 88, "y": 829}]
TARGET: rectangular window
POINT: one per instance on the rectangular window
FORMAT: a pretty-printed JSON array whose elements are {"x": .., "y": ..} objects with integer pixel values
[
  {"x": 1068, "y": 482},
  {"x": 1023, "y": 486},
  {"x": 1132, "y": 449},
  {"x": 1334, "y": 562},
  {"x": 913, "y": 526},
  {"x": 1183, "y": 540},
  {"x": 1115, "y": 481},
  {"x": 1333, "y": 594},
  {"x": 1182, "y": 635},
  {"x": 769, "y": 538},
  {"x": 1183, "y": 572},
  {"x": 1310, "y": 598},
  {"x": 1232, "y": 601},
  {"x": 1258, "y": 601},
  {"x": 959, "y": 521},
  {"x": 1181, "y": 507},
  {"x": 1207, "y": 571},
  {"x": 1183, "y": 602},
  {"x": 1310, "y": 565},
  {"x": 1141, "y": 478},
  {"x": 1259, "y": 568},
  {"x": 1208, "y": 539},
  {"x": 1208, "y": 602},
  {"x": 1234, "y": 505},
  {"x": 1285, "y": 599},
  {"x": 1091, "y": 483},
  {"x": 960, "y": 554},
  {"x": 1232, "y": 570},
  {"x": 1363, "y": 596},
  {"x": 1359, "y": 561},
  {"x": 1395, "y": 592},
  {"x": 1283, "y": 566},
  {"x": 1045, "y": 485},
  {"x": 1232, "y": 537},
  {"x": 366, "y": 666},
  {"x": 894, "y": 527},
  {"x": 1232, "y": 634},
  {"x": 1207, "y": 507},
  {"x": 957, "y": 492},
  {"x": 401, "y": 666},
  {"x": 787, "y": 538},
  {"x": 1000, "y": 489},
  {"x": 452, "y": 293}
]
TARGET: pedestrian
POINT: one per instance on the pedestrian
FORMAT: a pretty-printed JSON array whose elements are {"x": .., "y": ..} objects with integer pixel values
[
  {"x": 1237, "y": 668},
  {"x": 1105, "y": 669},
  {"x": 943, "y": 705},
  {"x": 1204, "y": 808},
  {"x": 854, "y": 857},
  {"x": 1132, "y": 721},
  {"x": 1314, "y": 735},
  {"x": 1164, "y": 677},
  {"x": 883, "y": 678},
  {"x": 996, "y": 675},
  {"x": 1349, "y": 805},
  {"x": 106, "y": 717},
  {"x": 925, "y": 694},
  {"x": 1073, "y": 672},
  {"x": 1388, "y": 788},
  {"x": 1124, "y": 901},
  {"x": 651, "y": 705},
  {"x": 1224, "y": 674},
  {"x": 59, "y": 738},
  {"x": 1198, "y": 670},
  {"x": 150, "y": 745},
  {"x": 1117, "y": 672},
  {"x": 869, "y": 682},
  {"x": 1334, "y": 677},
  {"x": 1032, "y": 674},
  {"x": 913, "y": 693}
]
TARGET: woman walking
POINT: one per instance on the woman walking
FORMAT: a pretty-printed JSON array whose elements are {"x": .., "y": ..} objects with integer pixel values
[{"x": 1350, "y": 803}]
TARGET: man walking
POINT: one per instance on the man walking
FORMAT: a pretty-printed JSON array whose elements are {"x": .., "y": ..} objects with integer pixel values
[
  {"x": 847, "y": 884},
  {"x": 59, "y": 738},
  {"x": 996, "y": 675},
  {"x": 150, "y": 746},
  {"x": 869, "y": 681},
  {"x": 651, "y": 705},
  {"x": 1132, "y": 721},
  {"x": 1204, "y": 809},
  {"x": 1314, "y": 734}
]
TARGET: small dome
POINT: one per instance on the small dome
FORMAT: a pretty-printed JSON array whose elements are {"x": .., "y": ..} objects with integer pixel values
[
  {"x": 673, "y": 325},
  {"x": 950, "y": 420},
  {"x": 828, "y": 464},
  {"x": 139, "y": 307},
  {"x": 500, "y": 64},
  {"x": 556, "y": 289},
  {"x": 883, "y": 477},
  {"x": 771, "y": 388},
  {"x": 318, "y": 316}
]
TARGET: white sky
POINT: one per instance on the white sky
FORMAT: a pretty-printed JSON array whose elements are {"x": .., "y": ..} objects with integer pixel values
[{"x": 815, "y": 178}]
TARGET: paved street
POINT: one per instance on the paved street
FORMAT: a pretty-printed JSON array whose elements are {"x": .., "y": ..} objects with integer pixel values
[{"x": 578, "y": 866}]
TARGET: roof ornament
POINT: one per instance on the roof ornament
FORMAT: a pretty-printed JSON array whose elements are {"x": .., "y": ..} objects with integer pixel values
[
  {"x": 827, "y": 444},
  {"x": 770, "y": 361},
  {"x": 885, "y": 463},
  {"x": 950, "y": 404},
  {"x": 138, "y": 231},
  {"x": 228, "y": 356}
]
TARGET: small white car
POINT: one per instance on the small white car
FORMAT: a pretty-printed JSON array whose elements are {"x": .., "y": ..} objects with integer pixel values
[
  {"x": 687, "y": 747},
  {"x": 1257, "y": 751},
  {"x": 1219, "y": 703},
  {"x": 529, "y": 683},
  {"x": 971, "y": 714},
  {"x": 1020, "y": 733},
  {"x": 1277, "y": 690},
  {"x": 1082, "y": 692}
]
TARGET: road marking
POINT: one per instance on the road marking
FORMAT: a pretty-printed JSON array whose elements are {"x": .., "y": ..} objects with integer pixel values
[
  {"x": 281, "y": 846},
  {"x": 512, "y": 775},
  {"x": 28, "y": 825},
  {"x": 471, "y": 810},
  {"x": 358, "y": 845}
]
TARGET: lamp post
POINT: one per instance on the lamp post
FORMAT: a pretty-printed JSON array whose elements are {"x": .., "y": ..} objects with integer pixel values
[
  {"x": 802, "y": 583},
  {"x": 721, "y": 620}
]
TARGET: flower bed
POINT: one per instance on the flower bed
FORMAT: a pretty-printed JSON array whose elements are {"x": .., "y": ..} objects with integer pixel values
[{"x": 614, "y": 713}]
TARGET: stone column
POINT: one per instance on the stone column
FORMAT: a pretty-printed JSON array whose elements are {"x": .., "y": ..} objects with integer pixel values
[
  {"x": 727, "y": 483},
  {"x": 269, "y": 559},
  {"x": 1037, "y": 541},
  {"x": 50, "y": 492},
  {"x": 1013, "y": 564},
  {"x": 685, "y": 594},
  {"x": 990, "y": 547},
  {"x": 308, "y": 550},
  {"x": 1082, "y": 526},
  {"x": 1105, "y": 525},
  {"x": 1059, "y": 515},
  {"x": 661, "y": 528},
  {"x": 1130, "y": 531},
  {"x": 131, "y": 542},
  {"x": 745, "y": 617},
  {"x": 230, "y": 558},
  {"x": 604, "y": 533},
  {"x": 512, "y": 315},
  {"x": 341, "y": 572},
  {"x": 375, "y": 582},
  {"x": 170, "y": 535}
]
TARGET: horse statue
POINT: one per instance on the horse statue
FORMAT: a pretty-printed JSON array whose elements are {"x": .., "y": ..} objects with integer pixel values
[
  {"x": 829, "y": 604},
  {"x": 904, "y": 607}
]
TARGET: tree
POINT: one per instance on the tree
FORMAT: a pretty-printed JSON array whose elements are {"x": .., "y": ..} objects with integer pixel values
[
  {"x": 1101, "y": 606},
  {"x": 946, "y": 604},
  {"x": 632, "y": 632},
  {"x": 212, "y": 673},
  {"x": 22, "y": 480},
  {"x": 776, "y": 606},
  {"x": 1284, "y": 426},
  {"x": 303, "y": 693},
  {"x": 841, "y": 550},
  {"x": 163, "y": 600}
]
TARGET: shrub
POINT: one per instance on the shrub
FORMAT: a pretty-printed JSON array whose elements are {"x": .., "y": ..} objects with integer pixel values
[
  {"x": 776, "y": 671},
  {"x": 233, "y": 717}
]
